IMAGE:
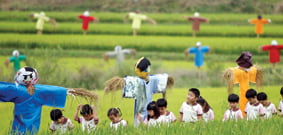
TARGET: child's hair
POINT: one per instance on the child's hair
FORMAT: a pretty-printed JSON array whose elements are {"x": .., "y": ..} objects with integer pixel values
[
  {"x": 281, "y": 91},
  {"x": 261, "y": 96},
  {"x": 204, "y": 104},
  {"x": 86, "y": 109},
  {"x": 161, "y": 102},
  {"x": 233, "y": 98},
  {"x": 195, "y": 91},
  {"x": 153, "y": 106},
  {"x": 114, "y": 111},
  {"x": 55, "y": 114},
  {"x": 251, "y": 93}
]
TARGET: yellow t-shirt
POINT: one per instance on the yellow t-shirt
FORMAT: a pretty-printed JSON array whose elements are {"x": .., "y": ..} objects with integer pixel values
[
  {"x": 137, "y": 18},
  {"x": 40, "y": 20}
]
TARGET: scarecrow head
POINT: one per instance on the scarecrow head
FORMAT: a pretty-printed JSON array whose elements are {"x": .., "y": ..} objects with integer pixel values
[
  {"x": 245, "y": 60},
  {"x": 142, "y": 68},
  {"x": 26, "y": 76},
  {"x": 16, "y": 53}
]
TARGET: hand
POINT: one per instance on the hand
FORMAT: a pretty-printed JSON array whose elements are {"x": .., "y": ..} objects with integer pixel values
[{"x": 79, "y": 107}]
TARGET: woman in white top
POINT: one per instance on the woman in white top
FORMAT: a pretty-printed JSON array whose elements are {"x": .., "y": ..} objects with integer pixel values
[
  {"x": 190, "y": 110},
  {"x": 208, "y": 113},
  {"x": 114, "y": 114}
]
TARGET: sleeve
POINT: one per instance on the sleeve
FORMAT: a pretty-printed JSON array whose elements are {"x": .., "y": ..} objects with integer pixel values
[
  {"x": 225, "y": 117},
  {"x": 144, "y": 17},
  {"x": 54, "y": 96},
  {"x": 12, "y": 59},
  {"x": 172, "y": 117},
  {"x": 127, "y": 51},
  {"x": 70, "y": 124},
  {"x": 91, "y": 18},
  {"x": 273, "y": 109},
  {"x": 81, "y": 16},
  {"x": 280, "y": 107},
  {"x": 22, "y": 57},
  {"x": 211, "y": 116},
  {"x": 46, "y": 18},
  {"x": 265, "y": 21},
  {"x": 199, "y": 110},
  {"x": 265, "y": 47},
  {"x": 253, "y": 21},
  {"x": 240, "y": 114},
  {"x": 202, "y": 19},
  {"x": 182, "y": 108},
  {"x": 8, "y": 92},
  {"x": 124, "y": 123},
  {"x": 111, "y": 54},
  {"x": 36, "y": 15},
  {"x": 52, "y": 127},
  {"x": 279, "y": 46},
  {"x": 205, "y": 49},
  {"x": 261, "y": 110},
  {"x": 132, "y": 15},
  {"x": 191, "y": 18},
  {"x": 192, "y": 50},
  {"x": 247, "y": 106}
]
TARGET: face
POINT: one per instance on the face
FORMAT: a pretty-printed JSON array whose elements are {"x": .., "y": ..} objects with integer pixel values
[
  {"x": 60, "y": 120},
  {"x": 150, "y": 113},
  {"x": 88, "y": 117},
  {"x": 191, "y": 98},
  {"x": 264, "y": 102},
  {"x": 162, "y": 110},
  {"x": 141, "y": 74},
  {"x": 252, "y": 100},
  {"x": 113, "y": 118},
  {"x": 233, "y": 104}
]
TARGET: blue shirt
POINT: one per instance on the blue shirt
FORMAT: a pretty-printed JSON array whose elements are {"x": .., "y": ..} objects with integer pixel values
[
  {"x": 199, "y": 51},
  {"x": 27, "y": 109}
]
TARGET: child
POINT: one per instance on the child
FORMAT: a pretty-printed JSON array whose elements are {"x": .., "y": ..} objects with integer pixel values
[
  {"x": 254, "y": 109},
  {"x": 190, "y": 110},
  {"x": 162, "y": 106},
  {"x": 280, "y": 108},
  {"x": 59, "y": 122},
  {"x": 153, "y": 118},
  {"x": 208, "y": 113},
  {"x": 233, "y": 113},
  {"x": 114, "y": 114},
  {"x": 89, "y": 119},
  {"x": 270, "y": 108}
]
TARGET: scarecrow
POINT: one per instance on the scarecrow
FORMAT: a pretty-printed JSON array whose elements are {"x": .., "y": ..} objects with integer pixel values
[
  {"x": 140, "y": 87},
  {"x": 29, "y": 98},
  {"x": 86, "y": 19},
  {"x": 16, "y": 58},
  {"x": 41, "y": 19},
  {"x": 137, "y": 18},
  {"x": 274, "y": 52},
  {"x": 243, "y": 74},
  {"x": 196, "y": 20},
  {"x": 259, "y": 22}
]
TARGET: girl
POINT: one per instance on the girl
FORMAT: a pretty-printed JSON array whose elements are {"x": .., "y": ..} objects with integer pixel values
[
  {"x": 89, "y": 119},
  {"x": 59, "y": 122},
  {"x": 114, "y": 114},
  {"x": 190, "y": 110},
  {"x": 208, "y": 113},
  {"x": 153, "y": 118}
]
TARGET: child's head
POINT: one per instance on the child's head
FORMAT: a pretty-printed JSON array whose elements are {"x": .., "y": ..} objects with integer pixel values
[
  {"x": 152, "y": 109},
  {"x": 262, "y": 98},
  {"x": 251, "y": 96},
  {"x": 233, "y": 100},
  {"x": 162, "y": 105},
  {"x": 205, "y": 106},
  {"x": 56, "y": 116},
  {"x": 193, "y": 95},
  {"x": 281, "y": 92},
  {"x": 114, "y": 114},
  {"x": 87, "y": 112}
]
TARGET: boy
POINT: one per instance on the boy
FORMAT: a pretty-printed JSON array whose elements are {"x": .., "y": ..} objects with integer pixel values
[
  {"x": 59, "y": 122},
  {"x": 280, "y": 108},
  {"x": 233, "y": 113},
  {"x": 162, "y": 106},
  {"x": 253, "y": 109},
  {"x": 270, "y": 108}
]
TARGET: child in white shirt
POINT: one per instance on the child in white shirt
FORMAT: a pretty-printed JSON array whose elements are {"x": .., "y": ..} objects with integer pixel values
[
  {"x": 114, "y": 114},
  {"x": 233, "y": 113},
  {"x": 190, "y": 110},
  {"x": 254, "y": 109},
  {"x": 280, "y": 107},
  {"x": 89, "y": 119},
  {"x": 208, "y": 113},
  {"x": 162, "y": 106},
  {"x": 270, "y": 108},
  {"x": 59, "y": 122}
]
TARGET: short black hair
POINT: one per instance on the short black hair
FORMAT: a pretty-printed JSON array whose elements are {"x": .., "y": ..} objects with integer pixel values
[
  {"x": 261, "y": 96},
  {"x": 55, "y": 114},
  {"x": 281, "y": 91},
  {"x": 195, "y": 91},
  {"x": 86, "y": 109},
  {"x": 251, "y": 93},
  {"x": 233, "y": 98},
  {"x": 161, "y": 102}
]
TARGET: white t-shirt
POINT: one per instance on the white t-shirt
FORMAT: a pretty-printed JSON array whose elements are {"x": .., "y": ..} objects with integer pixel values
[
  {"x": 62, "y": 128},
  {"x": 169, "y": 117},
  {"x": 190, "y": 112},
  {"x": 233, "y": 115},
  {"x": 209, "y": 115},
  {"x": 254, "y": 111},
  {"x": 89, "y": 125},
  {"x": 156, "y": 122},
  {"x": 280, "y": 107},
  {"x": 121, "y": 123},
  {"x": 269, "y": 110}
]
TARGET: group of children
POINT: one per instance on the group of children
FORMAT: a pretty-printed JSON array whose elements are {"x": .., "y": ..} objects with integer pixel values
[{"x": 194, "y": 109}]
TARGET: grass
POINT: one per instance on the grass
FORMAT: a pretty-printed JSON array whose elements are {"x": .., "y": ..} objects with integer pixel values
[{"x": 216, "y": 96}]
